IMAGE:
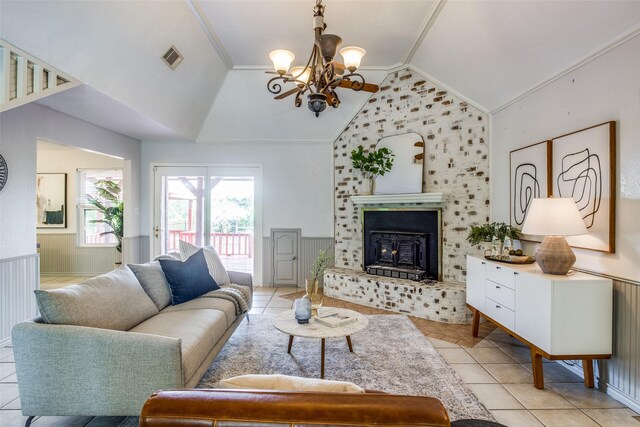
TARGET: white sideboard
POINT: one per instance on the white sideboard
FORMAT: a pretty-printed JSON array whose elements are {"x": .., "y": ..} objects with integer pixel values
[{"x": 559, "y": 317}]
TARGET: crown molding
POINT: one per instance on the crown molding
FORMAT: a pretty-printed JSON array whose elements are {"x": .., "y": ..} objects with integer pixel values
[
  {"x": 208, "y": 31},
  {"x": 586, "y": 60}
]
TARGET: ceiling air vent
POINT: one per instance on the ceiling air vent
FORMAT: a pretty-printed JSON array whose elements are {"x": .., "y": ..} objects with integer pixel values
[{"x": 172, "y": 57}]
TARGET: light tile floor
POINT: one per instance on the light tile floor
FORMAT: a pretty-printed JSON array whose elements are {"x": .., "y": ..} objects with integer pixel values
[{"x": 495, "y": 367}]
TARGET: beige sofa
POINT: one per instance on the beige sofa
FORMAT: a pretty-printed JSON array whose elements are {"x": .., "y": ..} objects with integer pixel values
[{"x": 84, "y": 368}]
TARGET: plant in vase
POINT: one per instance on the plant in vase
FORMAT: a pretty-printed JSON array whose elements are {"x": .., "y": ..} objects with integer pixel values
[
  {"x": 318, "y": 267},
  {"x": 495, "y": 233},
  {"x": 372, "y": 164},
  {"x": 111, "y": 207}
]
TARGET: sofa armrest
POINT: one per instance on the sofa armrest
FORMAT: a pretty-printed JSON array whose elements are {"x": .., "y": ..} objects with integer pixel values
[
  {"x": 243, "y": 279},
  {"x": 76, "y": 370}
]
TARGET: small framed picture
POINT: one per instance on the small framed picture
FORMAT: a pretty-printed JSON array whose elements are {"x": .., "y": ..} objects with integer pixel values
[{"x": 51, "y": 200}]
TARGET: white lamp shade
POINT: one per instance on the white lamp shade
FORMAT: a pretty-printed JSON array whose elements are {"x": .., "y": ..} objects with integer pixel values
[
  {"x": 352, "y": 55},
  {"x": 282, "y": 59},
  {"x": 554, "y": 217},
  {"x": 301, "y": 73}
]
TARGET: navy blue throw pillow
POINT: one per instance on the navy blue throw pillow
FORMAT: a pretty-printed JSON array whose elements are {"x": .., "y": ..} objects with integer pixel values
[{"x": 189, "y": 279}]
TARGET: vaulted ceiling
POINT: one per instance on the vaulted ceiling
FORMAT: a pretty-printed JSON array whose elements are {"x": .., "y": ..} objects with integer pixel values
[{"x": 490, "y": 52}]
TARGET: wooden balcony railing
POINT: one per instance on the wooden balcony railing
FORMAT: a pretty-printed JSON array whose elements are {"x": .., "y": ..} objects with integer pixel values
[{"x": 226, "y": 244}]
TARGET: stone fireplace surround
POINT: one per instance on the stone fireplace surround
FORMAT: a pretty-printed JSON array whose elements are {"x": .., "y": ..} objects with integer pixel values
[
  {"x": 432, "y": 300},
  {"x": 456, "y": 162}
]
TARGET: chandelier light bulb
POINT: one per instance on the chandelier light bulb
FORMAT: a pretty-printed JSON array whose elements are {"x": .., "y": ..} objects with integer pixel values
[
  {"x": 352, "y": 55},
  {"x": 301, "y": 73},
  {"x": 282, "y": 60}
]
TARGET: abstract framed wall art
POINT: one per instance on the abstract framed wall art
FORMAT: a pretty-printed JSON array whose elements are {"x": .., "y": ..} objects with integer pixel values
[
  {"x": 584, "y": 167},
  {"x": 530, "y": 168},
  {"x": 51, "y": 200}
]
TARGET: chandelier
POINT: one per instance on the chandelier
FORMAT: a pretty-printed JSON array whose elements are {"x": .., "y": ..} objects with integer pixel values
[{"x": 322, "y": 75}]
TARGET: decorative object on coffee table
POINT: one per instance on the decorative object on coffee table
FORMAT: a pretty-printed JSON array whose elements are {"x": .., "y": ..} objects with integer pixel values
[
  {"x": 372, "y": 163},
  {"x": 286, "y": 322},
  {"x": 322, "y": 261},
  {"x": 554, "y": 218},
  {"x": 302, "y": 307}
]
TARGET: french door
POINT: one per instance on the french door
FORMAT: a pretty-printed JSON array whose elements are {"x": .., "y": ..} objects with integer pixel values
[{"x": 210, "y": 205}]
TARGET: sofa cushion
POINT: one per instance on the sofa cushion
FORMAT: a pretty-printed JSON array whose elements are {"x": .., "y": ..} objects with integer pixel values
[
  {"x": 114, "y": 300},
  {"x": 225, "y": 306},
  {"x": 288, "y": 382},
  {"x": 199, "y": 331},
  {"x": 153, "y": 281},
  {"x": 214, "y": 263},
  {"x": 188, "y": 279}
]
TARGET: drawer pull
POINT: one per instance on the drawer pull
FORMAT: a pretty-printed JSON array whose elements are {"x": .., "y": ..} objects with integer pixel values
[
  {"x": 515, "y": 273},
  {"x": 497, "y": 287},
  {"x": 498, "y": 268},
  {"x": 484, "y": 263},
  {"x": 497, "y": 306}
]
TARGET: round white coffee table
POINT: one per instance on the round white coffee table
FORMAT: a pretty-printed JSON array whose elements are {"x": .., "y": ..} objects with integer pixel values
[{"x": 287, "y": 323}]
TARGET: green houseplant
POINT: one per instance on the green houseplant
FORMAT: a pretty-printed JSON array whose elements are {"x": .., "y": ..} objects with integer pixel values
[
  {"x": 372, "y": 163},
  {"x": 111, "y": 206},
  {"x": 485, "y": 233},
  {"x": 322, "y": 261}
]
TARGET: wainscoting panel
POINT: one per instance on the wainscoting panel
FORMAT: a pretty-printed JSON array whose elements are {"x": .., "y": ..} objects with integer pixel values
[
  {"x": 620, "y": 376},
  {"x": 19, "y": 277},
  {"x": 309, "y": 248},
  {"x": 60, "y": 254}
]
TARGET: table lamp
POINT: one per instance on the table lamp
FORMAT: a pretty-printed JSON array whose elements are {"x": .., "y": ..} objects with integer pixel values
[{"x": 554, "y": 218}]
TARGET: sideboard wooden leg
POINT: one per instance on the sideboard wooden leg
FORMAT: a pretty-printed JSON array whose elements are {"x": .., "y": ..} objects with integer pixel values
[
  {"x": 587, "y": 367},
  {"x": 476, "y": 323},
  {"x": 536, "y": 365}
]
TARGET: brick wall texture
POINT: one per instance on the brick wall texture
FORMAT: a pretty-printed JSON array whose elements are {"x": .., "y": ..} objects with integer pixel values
[{"x": 456, "y": 162}]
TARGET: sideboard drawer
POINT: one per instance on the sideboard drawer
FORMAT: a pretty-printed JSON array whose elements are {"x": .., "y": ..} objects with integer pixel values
[
  {"x": 501, "y": 275},
  {"x": 501, "y": 294},
  {"x": 500, "y": 314}
]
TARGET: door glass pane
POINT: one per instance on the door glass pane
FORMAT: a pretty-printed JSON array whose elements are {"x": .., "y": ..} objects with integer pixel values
[
  {"x": 182, "y": 211},
  {"x": 232, "y": 221}
]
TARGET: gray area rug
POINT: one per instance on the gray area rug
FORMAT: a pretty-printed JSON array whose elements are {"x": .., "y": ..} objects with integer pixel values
[{"x": 390, "y": 355}]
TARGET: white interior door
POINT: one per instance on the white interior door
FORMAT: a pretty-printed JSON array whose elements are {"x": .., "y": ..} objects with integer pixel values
[{"x": 211, "y": 205}]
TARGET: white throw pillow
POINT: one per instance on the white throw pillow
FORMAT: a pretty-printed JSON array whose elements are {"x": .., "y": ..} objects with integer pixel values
[
  {"x": 286, "y": 382},
  {"x": 214, "y": 263}
]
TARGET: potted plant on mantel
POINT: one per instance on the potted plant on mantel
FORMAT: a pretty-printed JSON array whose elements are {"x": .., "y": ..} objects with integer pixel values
[
  {"x": 317, "y": 271},
  {"x": 487, "y": 233},
  {"x": 112, "y": 209},
  {"x": 372, "y": 164}
]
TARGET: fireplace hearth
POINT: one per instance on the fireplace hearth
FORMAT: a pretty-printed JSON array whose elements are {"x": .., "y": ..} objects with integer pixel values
[{"x": 402, "y": 244}]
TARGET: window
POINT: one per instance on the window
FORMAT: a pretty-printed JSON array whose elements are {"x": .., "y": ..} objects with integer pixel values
[{"x": 90, "y": 232}]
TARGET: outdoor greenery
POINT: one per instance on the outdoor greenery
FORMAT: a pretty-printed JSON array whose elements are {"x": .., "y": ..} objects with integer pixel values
[
  {"x": 373, "y": 163},
  {"x": 321, "y": 263},
  {"x": 111, "y": 207},
  {"x": 232, "y": 215},
  {"x": 486, "y": 232}
]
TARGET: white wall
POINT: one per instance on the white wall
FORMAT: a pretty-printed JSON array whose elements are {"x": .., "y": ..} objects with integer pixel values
[
  {"x": 608, "y": 88},
  {"x": 52, "y": 160},
  {"x": 297, "y": 179},
  {"x": 19, "y": 130}
]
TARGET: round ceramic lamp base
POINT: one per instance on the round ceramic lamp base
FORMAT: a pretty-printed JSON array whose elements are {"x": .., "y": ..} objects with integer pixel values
[{"x": 554, "y": 256}]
